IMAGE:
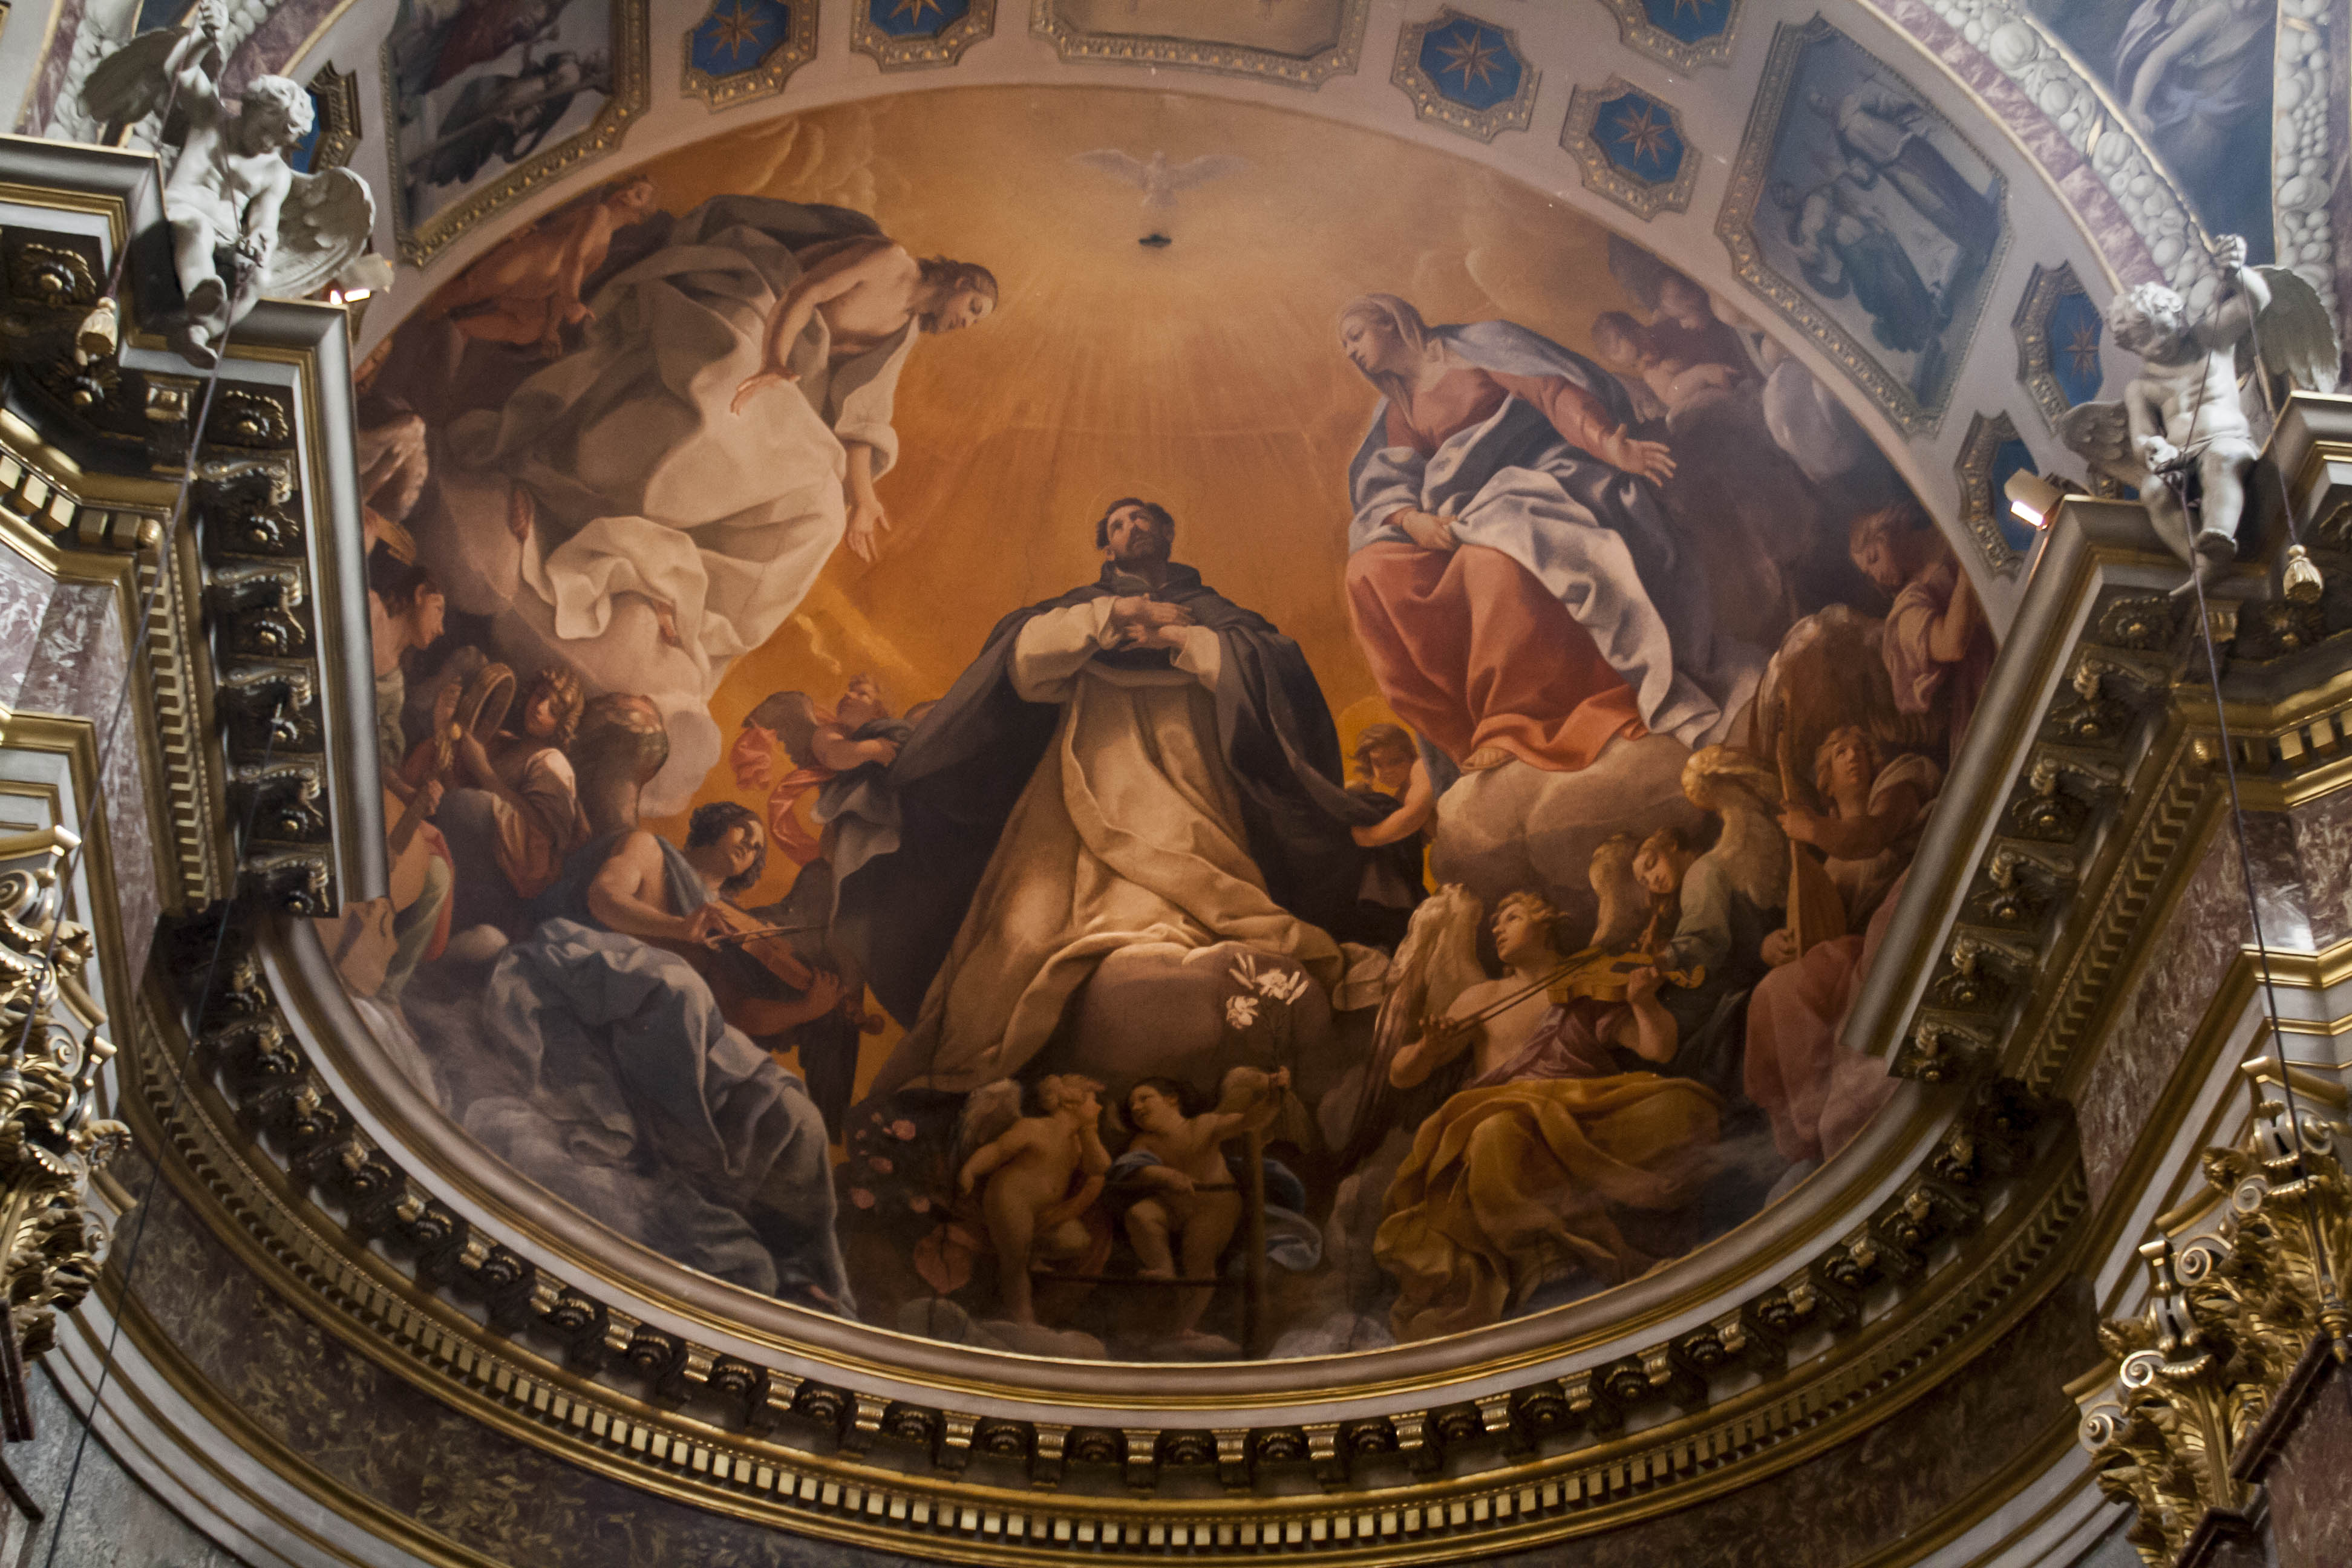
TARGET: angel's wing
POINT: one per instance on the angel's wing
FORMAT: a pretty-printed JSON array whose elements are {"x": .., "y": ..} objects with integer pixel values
[
  {"x": 132, "y": 83},
  {"x": 988, "y": 1110},
  {"x": 2296, "y": 339},
  {"x": 792, "y": 719},
  {"x": 2100, "y": 434},
  {"x": 1200, "y": 170},
  {"x": 1111, "y": 161},
  {"x": 1437, "y": 961},
  {"x": 324, "y": 224}
]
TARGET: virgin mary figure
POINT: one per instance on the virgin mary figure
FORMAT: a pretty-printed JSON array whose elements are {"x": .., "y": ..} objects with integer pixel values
[{"x": 1512, "y": 577}]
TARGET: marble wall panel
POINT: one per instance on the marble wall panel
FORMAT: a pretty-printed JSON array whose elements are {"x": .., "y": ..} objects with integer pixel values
[
  {"x": 2311, "y": 1503},
  {"x": 2150, "y": 1029},
  {"x": 109, "y": 1520},
  {"x": 2323, "y": 843},
  {"x": 23, "y": 600}
]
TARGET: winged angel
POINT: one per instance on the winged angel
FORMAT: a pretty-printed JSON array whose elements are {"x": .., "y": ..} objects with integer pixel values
[
  {"x": 2181, "y": 435},
  {"x": 244, "y": 223}
]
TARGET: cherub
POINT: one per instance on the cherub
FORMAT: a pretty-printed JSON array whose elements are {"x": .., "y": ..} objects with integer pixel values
[
  {"x": 1040, "y": 1173},
  {"x": 822, "y": 746},
  {"x": 1193, "y": 1197},
  {"x": 1389, "y": 762},
  {"x": 1661, "y": 383},
  {"x": 225, "y": 193},
  {"x": 228, "y": 188},
  {"x": 2181, "y": 420}
]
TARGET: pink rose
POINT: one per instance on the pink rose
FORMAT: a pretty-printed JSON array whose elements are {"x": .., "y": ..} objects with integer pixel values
[
  {"x": 861, "y": 1197},
  {"x": 919, "y": 1204},
  {"x": 902, "y": 1130},
  {"x": 880, "y": 1164}
]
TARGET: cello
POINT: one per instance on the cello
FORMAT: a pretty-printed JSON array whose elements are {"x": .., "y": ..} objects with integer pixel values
[{"x": 751, "y": 960}]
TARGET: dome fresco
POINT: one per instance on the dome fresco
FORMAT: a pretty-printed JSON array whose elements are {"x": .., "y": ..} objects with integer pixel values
[{"x": 1114, "y": 724}]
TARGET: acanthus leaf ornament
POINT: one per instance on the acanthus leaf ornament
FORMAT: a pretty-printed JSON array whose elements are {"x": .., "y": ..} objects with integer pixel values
[{"x": 53, "y": 1137}]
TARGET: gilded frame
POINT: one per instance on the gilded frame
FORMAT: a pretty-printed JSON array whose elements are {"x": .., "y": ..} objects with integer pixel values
[
  {"x": 421, "y": 242},
  {"x": 1514, "y": 113},
  {"x": 944, "y": 47},
  {"x": 338, "y": 137},
  {"x": 1644, "y": 199},
  {"x": 1736, "y": 226},
  {"x": 765, "y": 78},
  {"x": 1980, "y": 509},
  {"x": 1074, "y": 44}
]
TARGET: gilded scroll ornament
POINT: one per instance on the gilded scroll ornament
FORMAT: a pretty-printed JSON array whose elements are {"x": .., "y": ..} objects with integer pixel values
[
  {"x": 2233, "y": 1316},
  {"x": 52, "y": 1135}
]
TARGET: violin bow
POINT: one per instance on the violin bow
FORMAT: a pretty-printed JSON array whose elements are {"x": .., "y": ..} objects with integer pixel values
[{"x": 737, "y": 937}]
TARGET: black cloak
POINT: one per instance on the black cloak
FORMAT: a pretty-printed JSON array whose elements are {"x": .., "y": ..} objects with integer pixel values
[{"x": 955, "y": 783}]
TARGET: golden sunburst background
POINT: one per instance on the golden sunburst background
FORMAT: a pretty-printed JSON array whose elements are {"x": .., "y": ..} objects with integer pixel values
[{"x": 1203, "y": 373}]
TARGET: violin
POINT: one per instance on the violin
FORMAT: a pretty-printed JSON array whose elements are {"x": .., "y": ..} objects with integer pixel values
[
  {"x": 1596, "y": 973},
  {"x": 752, "y": 958},
  {"x": 1604, "y": 976}
]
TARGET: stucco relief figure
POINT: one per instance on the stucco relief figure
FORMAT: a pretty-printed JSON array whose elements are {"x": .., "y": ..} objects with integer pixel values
[
  {"x": 1503, "y": 504},
  {"x": 639, "y": 526},
  {"x": 1137, "y": 761},
  {"x": 1884, "y": 136},
  {"x": 243, "y": 223},
  {"x": 1844, "y": 247},
  {"x": 1519, "y": 1180},
  {"x": 526, "y": 291},
  {"x": 649, "y": 1100}
]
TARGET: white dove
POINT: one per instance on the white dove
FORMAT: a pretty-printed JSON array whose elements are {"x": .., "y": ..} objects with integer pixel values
[{"x": 1156, "y": 179}]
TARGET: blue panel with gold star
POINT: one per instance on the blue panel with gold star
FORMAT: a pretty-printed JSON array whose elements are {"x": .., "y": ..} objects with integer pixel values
[
  {"x": 901, "y": 34},
  {"x": 915, "y": 19},
  {"x": 1689, "y": 21},
  {"x": 1632, "y": 146},
  {"x": 1471, "y": 63},
  {"x": 1466, "y": 73},
  {"x": 1637, "y": 134},
  {"x": 1684, "y": 34},
  {"x": 2059, "y": 347},
  {"x": 744, "y": 49},
  {"x": 2074, "y": 327}
]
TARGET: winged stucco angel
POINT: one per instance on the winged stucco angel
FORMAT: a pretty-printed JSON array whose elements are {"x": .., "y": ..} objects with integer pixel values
[
  {"x": 2182, "y": 435},
  {"x": 244, "y": 222}
]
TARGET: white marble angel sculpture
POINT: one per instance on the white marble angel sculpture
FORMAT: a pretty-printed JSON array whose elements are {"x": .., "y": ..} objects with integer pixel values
[
  {"x": 244, "y": 223},
  {"x": 2184, "y": 412}
]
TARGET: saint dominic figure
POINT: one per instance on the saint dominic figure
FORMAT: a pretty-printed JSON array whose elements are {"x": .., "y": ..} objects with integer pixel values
[{"x": 1139, "y": 760}]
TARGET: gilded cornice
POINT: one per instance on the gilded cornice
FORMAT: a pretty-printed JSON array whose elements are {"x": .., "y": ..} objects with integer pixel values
[{"x": 546, "y": 1362}]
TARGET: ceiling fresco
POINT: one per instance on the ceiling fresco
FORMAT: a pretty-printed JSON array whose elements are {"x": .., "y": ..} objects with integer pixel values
[{"x": 1123, "y": 725}]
